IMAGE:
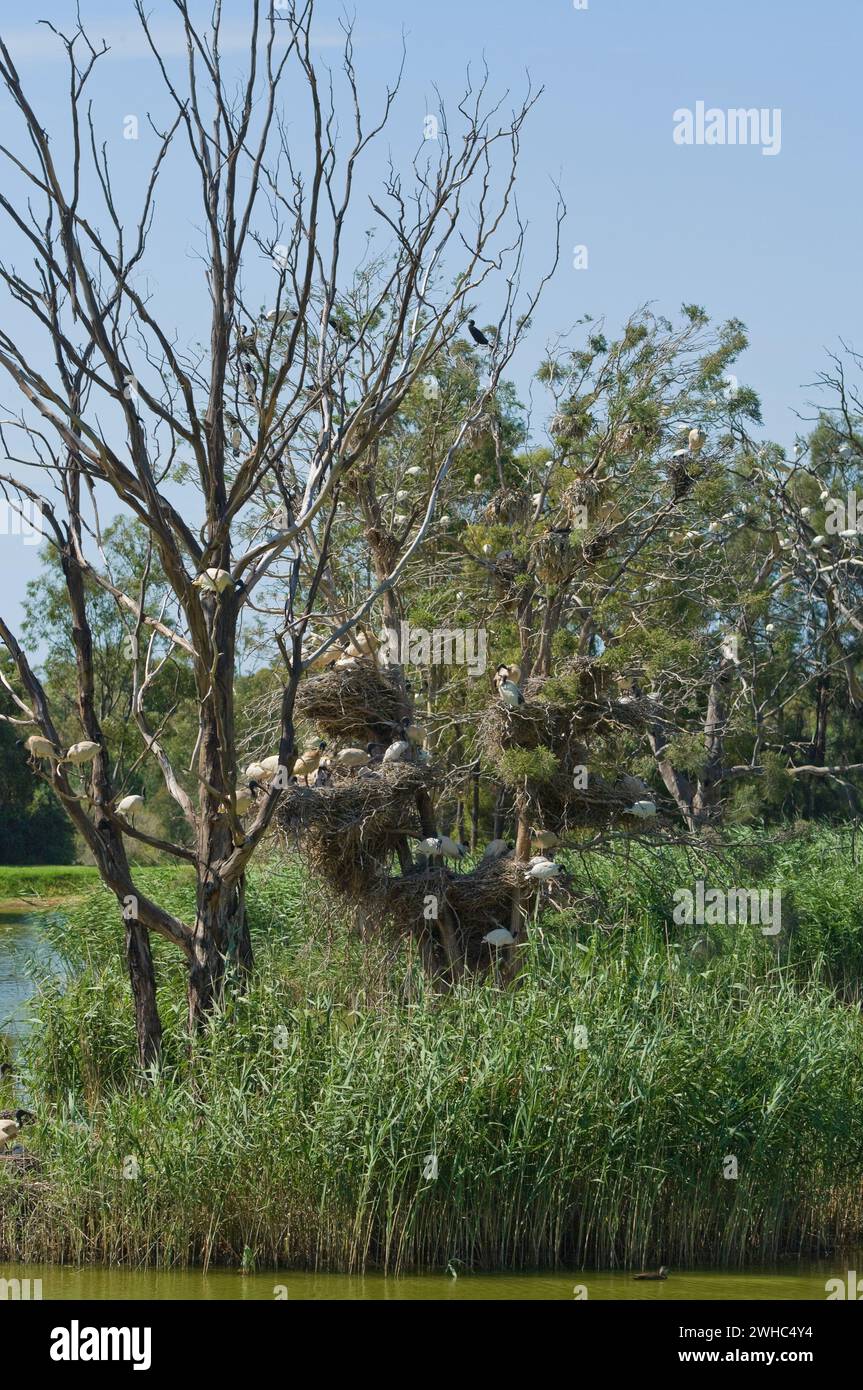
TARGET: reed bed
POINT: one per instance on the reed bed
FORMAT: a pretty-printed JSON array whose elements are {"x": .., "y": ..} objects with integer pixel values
[{"x": 582, "y": 1120}]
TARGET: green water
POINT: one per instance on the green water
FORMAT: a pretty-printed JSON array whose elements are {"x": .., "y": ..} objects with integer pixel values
[{"x": 801, "y": 1283}]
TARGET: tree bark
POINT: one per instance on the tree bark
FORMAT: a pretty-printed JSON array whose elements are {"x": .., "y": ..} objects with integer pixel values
[{"x": 142, "y": 977}]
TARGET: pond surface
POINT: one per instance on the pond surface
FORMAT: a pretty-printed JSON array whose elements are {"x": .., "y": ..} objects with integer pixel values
[
  {"x": 793, "y": 1282},
  {"x": 23, "y": 947}
]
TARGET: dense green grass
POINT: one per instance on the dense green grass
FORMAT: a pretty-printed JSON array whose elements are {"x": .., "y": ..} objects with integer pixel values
[
  {"x": 46, "y": 880},
  {"x": 302, "y": 1127}
]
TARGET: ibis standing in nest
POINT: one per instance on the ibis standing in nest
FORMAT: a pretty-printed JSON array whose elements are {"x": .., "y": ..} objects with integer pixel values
[
  {"x": 542, "y": 869},
  {"x": 441, "y": 846},
  {"x": 496, "y": 849},
  {"x": 544, "y": 839},
  {"x": 309, "y": 760},
  {"x": 507, "y": 689},
  {"x": 10, "y": 1125},
  {"x": 353, "y": 758},
  {"x": 398, "y": 749}
]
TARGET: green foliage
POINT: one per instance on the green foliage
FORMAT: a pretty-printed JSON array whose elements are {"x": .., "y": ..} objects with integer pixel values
[
  {"x": 33, "y": 827},
  {"x": 519, "y": 765}
]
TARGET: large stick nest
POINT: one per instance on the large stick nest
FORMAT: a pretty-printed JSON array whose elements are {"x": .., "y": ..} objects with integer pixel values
[
  {"x": 350, "y": 830},
  {"x": 358, "y": 702},
  {"x": 470, "y": 905},
  {"x": 557, "y": 799}
]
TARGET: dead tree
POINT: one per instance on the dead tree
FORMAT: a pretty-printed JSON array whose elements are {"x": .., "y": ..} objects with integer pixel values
[{"x": 269, "y": 419}]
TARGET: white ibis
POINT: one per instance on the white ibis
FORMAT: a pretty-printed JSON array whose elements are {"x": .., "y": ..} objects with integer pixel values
[
  {"x": 214, "y": 581},
  {"x": 352, "y": 758},
  {"x": 10, "y": 1127},
  {"x": 280, "y": 316},
  {"x": 642, "y": 810},
  {"x": 80, "y": 753},
  {"x": 309, "y": 761},
  {"x": 544, "y": 839},
  {"x": 542, "y": 869},
  {"x": 697, "y": 440},
  {"x": 39, "y": 747},
  {"x": 507, "y": 688},
  {"x": 398, "y": 749},
  {"x": 496, "y": 849},
  {"x": 130, "y": 804},
  {"x": 498, "y": 938}
]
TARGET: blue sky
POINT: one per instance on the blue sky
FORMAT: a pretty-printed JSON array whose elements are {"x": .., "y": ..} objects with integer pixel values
[{"x": 772, "y": 240}]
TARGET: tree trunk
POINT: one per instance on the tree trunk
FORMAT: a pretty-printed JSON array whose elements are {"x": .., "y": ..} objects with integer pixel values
[
  {"x": 215, "y": 922},
  {"x": 142, "y": 977},
  {"x": 239, "y": 942},
  {"x": 207, "y": 964}
]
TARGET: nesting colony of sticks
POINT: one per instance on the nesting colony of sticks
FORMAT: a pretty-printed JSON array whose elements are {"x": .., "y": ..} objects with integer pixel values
[{"x": 361, "y": 830}]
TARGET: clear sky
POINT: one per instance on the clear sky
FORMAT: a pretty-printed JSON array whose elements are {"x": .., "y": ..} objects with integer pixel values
[{"x": 773, "y": 240}]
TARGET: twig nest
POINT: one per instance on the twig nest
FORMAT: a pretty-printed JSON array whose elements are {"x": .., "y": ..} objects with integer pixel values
[
  {"x": 473, "y": 905},
  {"x": 581, "y": 493},
  {"x": 507, "y": 505},
  {"x": 553, "y": 558},
  {"x": 357, "y": 702},
  {"x": 350, "y": 829}
]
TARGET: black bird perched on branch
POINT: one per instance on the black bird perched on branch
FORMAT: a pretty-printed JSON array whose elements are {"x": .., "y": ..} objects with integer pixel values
[
  {"x": 477, "y": 335},
  {"x": 246, "y": 341}
]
